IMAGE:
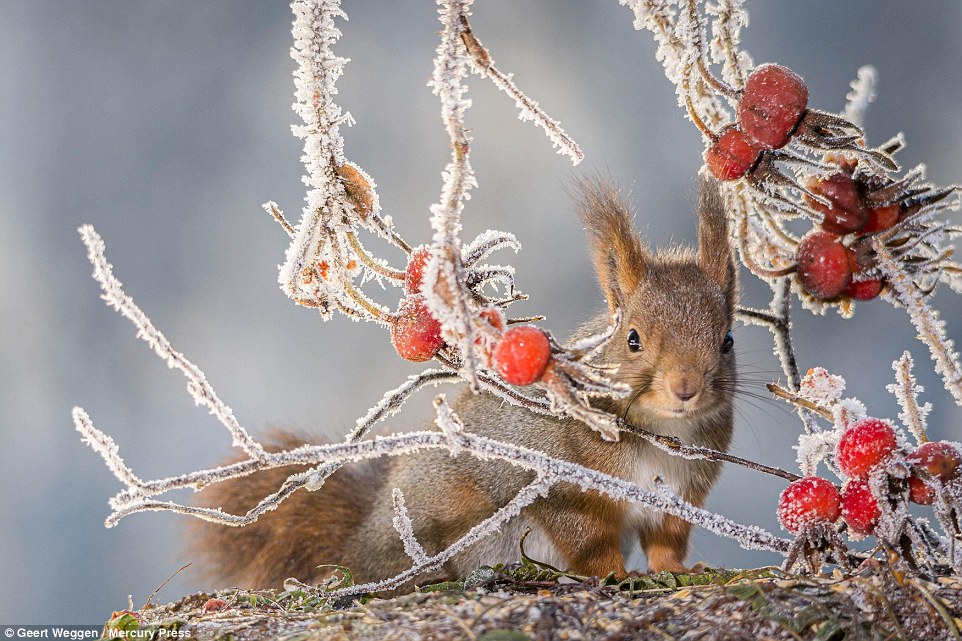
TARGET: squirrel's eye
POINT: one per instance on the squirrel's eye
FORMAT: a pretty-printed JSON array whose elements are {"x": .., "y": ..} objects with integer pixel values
[
  {"x": 634, "y": 340},
  {"x": 728, "y": 343}
]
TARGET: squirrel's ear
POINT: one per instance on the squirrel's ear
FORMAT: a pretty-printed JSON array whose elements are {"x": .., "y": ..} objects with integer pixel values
[
  {"x": 715, "y": 254},
  {"x": 619, "y": 257}
]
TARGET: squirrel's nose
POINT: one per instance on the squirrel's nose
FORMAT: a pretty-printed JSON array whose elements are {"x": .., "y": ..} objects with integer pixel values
[{"x": 683, "y": 387}]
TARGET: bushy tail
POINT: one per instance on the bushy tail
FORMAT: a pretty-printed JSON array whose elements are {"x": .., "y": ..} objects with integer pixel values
[{"x": 307, "y": 530}]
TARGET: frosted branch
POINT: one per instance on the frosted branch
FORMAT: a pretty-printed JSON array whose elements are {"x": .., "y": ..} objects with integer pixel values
[
  {"x": 197, "y": 385},
  {"x": 925, "y": 319},
  {"x": 862, "y": 94},
  {"x": 483, "y": 65},
  {"x": 404, "y": 527},
  {"x": 906, "y": 391},
  {"x": 105, "y": 447}
]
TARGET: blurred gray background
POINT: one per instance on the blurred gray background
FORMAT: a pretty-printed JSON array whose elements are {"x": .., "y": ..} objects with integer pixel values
[{"x": 166, "y": 125}]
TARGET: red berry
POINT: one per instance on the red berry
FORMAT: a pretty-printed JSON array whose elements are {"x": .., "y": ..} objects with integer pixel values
[
  {"x": 847, "y": 213},
  {"x": 772, "y": 103},
  {"x": 824, "y": 270},
  {"x": 920, "y": 492},
  {"x": 414, "y": 274},
  {"x": 730, "y": 157},
  {"x": 881, "y": 218},
  {"x": 416, "y": 334},
  {"x": 864, "y": 445},
  {"x": 215, "y": 605},
  {"x": 522, "y": 354},
  {"x": 938, "y": 458},
  {"x": 864, "y": 289},
  {"x": 860, "y": 507},
  {"x": 807, "y": 501}
]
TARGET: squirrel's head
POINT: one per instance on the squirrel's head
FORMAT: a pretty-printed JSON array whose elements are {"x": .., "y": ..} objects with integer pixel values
[{"x": 674, "y": 346}]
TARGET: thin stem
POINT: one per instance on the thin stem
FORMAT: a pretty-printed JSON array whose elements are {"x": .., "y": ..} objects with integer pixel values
[
  {"x": 369, "y": 261},
  {"x": 795, "y": 399}
]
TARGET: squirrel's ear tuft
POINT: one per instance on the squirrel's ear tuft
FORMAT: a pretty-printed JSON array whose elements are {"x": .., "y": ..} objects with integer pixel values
[
  {"x": 617, "y": 252},
  {"x": 715, "y": 255}
]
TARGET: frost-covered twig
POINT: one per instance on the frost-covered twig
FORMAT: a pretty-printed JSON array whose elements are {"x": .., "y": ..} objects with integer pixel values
[
  {"x": 862, "y": 94},
  {"x": 405, "y": 529},
  {"x": 200, "y": 390},
  {"x": 483, "y": 65},
  {"x": 906, "y": 391},
  {"x": 926, "y": 320}
]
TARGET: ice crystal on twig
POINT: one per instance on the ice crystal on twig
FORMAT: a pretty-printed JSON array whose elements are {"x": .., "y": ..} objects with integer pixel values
[
  {"x": 906, "y": 391},
  {"x": 201, "y": 391},
  {"x": 926, "y": 320},
  {"x": 483, "y": 64},
  {"x": 404, "y": 527}
]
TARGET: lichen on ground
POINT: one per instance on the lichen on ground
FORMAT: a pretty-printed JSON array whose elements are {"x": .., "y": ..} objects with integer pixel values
[{"x": 524, "y": 602}]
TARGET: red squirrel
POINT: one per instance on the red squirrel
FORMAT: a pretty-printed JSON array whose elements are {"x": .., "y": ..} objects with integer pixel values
[{"x": 673, "y": 348}]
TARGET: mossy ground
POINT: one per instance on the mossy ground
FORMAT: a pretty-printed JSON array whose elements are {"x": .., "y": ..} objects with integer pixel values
[{"x": 525, "y": 602}]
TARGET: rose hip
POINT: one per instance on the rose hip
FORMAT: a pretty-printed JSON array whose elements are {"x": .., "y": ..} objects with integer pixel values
[
  {"x": 824, "y": 269},
  {"x": 415, "y": 333},
  {"x": 847, "y": 213},
  {"x": 414, "y": 274},
  {"x": 772, "y": 103},
  {"x": 860, "y": 507},
  {"x": 522, "y": 354},
  {"x": 864, "y": 445},
  {"x": 807, "y": 501},
  {"x": 730, "y": 157}
]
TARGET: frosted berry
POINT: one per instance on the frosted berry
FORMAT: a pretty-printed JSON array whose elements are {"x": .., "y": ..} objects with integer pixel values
[
  {"x": 938, "y": 458},
  {"x": 864, "y": 289},
  {"x": 860, "y": 507},
  {"x": 415, "y": 333},
  {"x": 773, "y": 102},
  {"x": 824, "y": 269},
  {"x": 730, "y": 157},
  {"x": 807, "y": 501},
  {"x": 864, "y": 445},
  {"x": 414, "y": 274},
  {"x": 522, "y": 354},
  {"x": 848, "y": 212},
  {"x": 881, "y": 218},
  {"x": 920, "y": 492},
  {"x": 215, "y": 605}
]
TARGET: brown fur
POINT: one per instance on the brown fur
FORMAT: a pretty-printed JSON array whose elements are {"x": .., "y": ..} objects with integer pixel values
[
  {"x": 309, "y": 529},
  {"x": 680, "y": 303}
]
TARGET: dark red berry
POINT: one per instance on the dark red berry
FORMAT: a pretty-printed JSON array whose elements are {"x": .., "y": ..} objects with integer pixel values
[
  {"x": 773, "y": 102},
  {"x": 522, "y": 354},
  {"x": 860, "y": 507},
  {"x": 920, "y": 492},
  {"x": 807, "y": 501},
  {"x": 881, "y": 218},
  {"x": 938, "y": 458},
  {"x": 824, "y": 269},
  {"x": 730, "y": 157},
  {"x": 415, "y": 333},
  {"x": 864, "y": 445},
  {"x": 864, "y": 289},
  {"x": 847, "y": 213},
  {"x": 414, "y": 274}
]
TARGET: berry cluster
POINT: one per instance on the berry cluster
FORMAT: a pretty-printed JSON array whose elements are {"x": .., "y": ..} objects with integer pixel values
[
  {"x": 521, "y": 354},
  {"x": 863, "y": 454},
  {"x": 772, "y": 105}
]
